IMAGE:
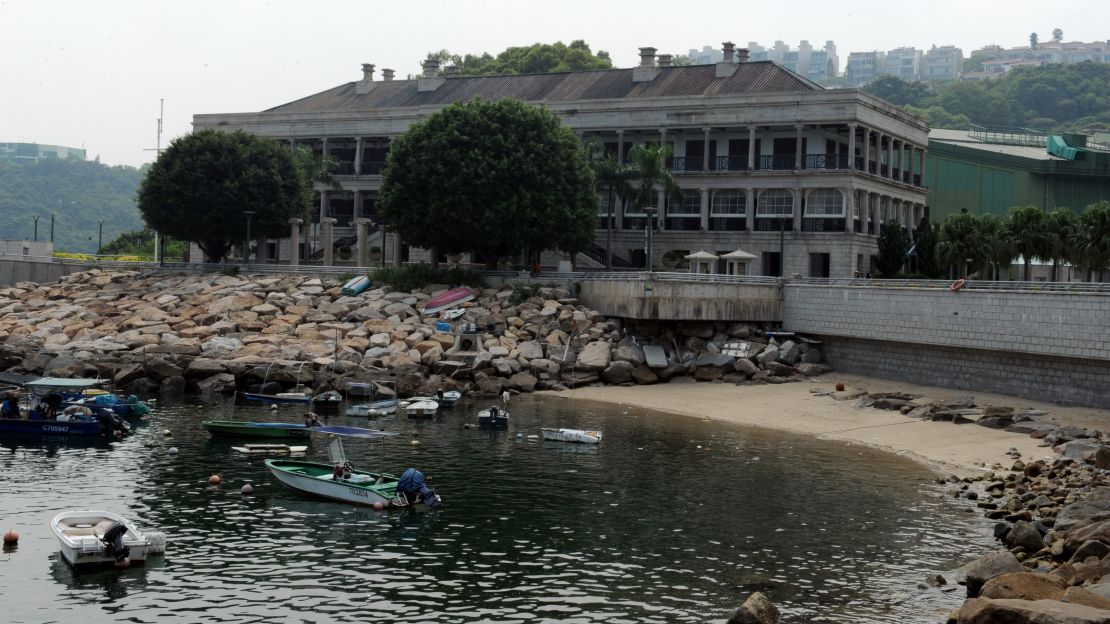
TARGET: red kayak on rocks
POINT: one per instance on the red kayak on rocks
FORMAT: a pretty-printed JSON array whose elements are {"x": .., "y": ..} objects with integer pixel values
[{"x": 447, "y": 300}]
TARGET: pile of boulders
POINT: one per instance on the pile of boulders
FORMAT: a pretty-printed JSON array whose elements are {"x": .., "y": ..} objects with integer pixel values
[
  {"x": 1052, "y": 517},
  {"x": 152, "y": 332}
]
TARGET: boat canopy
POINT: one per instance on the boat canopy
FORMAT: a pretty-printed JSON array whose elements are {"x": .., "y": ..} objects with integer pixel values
[{"x": 352, "y": 432}]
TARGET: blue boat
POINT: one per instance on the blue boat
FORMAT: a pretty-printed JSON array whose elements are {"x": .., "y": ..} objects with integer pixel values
[
  {"x": 46, "y": 398},
  {"x": 355, "y": 286},
  {"x": 50, "y": 427}
]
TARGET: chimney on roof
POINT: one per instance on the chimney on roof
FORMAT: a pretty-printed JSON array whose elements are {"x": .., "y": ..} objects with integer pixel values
[
  {"x": 727, "y": 66},
  {"x": 452, "y": 71},
  {"x": 646, "y": 70},
  {"x": 364, "y": 86},
  {"x": 387, "y": 75},
  {"x": 742, "y": 55},
  {"x": 665, "y": 60},
  {"x": 431, "y": 79}
]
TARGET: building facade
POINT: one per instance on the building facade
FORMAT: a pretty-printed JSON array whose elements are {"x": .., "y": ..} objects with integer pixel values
[
  {"x": 30, "y": 152},
  {"x": 942, "y": 63},
  {"x": 816, "y": 65},
  {"x": 905, "y": 63},
  {"x": 863, "y": 67},
  {"x": 769, "y": 162},
  {"x": 984, "y": 171}
]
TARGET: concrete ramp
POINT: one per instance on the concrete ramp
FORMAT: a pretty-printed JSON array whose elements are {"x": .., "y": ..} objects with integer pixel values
[{"x": 656, "y": 357}]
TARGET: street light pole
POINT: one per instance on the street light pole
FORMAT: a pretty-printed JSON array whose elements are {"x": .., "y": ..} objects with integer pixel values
[
  {"x": 247, "y": 246},
  {"x": 52, "y": 227},
  {"x": 36, "y": 219},
  {"x": 100, "y": 236},
  {"x": 650, "y": 227},
  {"x": 782, "y": 247}
]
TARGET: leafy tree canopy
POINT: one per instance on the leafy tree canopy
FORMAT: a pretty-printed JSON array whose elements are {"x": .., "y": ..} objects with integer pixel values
[
  {"x": 1049, "y": 97},
  {"x": 490, "y": 176},
  {"x": 141, "y": 243},
  {"x": 204, "y": 183},
  {"x": 893, "y": 243},
  {"x": 78, "y": 193},
  {"x": 538, "y": 58}
]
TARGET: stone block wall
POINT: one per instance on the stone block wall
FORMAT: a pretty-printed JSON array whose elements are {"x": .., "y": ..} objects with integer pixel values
[
  {"x": 1061, "y": 380},
  {"x": 1058, "y": 324}
]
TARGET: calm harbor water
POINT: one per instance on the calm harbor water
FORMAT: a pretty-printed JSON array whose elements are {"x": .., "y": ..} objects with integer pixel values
[{"x": 672, "y": 519}]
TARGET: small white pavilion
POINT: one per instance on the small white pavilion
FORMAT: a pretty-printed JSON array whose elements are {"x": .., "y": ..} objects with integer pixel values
[
  {"x": 736, "y": 262},
  {"x": 702, "y": 262}
]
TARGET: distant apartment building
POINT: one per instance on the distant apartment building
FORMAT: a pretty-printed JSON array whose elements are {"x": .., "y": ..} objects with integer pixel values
[
  {"x": 942, "y": 63},
  {"x": 816, "y": 65},
  {"x": 905, "y": 63},
  {"x": 863, "y": 67},
  {"x": 706, "y": 56},
  {"x": 30, "y": 152},
  {"x": 997, "y": 60}
]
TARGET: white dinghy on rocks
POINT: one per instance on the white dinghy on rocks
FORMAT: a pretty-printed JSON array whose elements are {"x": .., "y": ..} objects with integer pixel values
[
  {"x": 581, "y": 436},
  {"x": 91, "y": 538}
]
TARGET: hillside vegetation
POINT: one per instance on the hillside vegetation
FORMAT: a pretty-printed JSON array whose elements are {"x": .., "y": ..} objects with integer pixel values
[
  {"x": 78, "y": 193},
  {"x": 1048, "y": 97}
]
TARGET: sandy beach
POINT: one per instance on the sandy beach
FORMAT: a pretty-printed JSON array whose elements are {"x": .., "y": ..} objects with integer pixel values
[{"x": 960, "y": 449}]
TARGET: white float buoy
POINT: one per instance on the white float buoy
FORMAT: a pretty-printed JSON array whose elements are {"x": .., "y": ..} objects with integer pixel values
[
  {"x": 167, "y": 433},
  {"x": 157, "y": 541},
  {"x": 247, "y": 489},
  {"x": 273, "y": 407},
  {"x": 172, "y": 450},
  {"x": 214, "y": 480}
]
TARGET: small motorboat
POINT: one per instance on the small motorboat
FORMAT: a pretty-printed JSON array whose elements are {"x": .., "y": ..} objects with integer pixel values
[
  {"x": 582, "y": 436},
  {"x": 419, "y": 407},
  {"x": 244, "y": 429},
  {"x": 270, "y": 449},
  {"x": 46, "y": 411},
  {"x": 383, "y": 407},
  {"x": 447, "y": 300},
  {"x": 103, "y": 537},
  {"x": 299, "y": 396},
  {"x": 493, "y": 417},
  {"x": 448, "y": 398},
  {"x": 327, "y": 401},
  {"x": 340, "y": 481},
  {"x": 355, "y": 286},
  {"x": 451, "y": 315}
]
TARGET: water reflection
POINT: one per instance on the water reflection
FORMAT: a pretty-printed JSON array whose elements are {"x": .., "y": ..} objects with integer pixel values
[{"x": 669, "y": 520}]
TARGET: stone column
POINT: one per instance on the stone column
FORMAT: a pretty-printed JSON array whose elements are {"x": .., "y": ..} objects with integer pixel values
[
  {"x": 852, "y": 146},
  {"x": 704, "y": 209},
  {"x": 749, "y": 209},
  {"x": 849, "y": 211},
  {"x": 262, "y": 255},
  {"x": 358, "y": 156},
  {"x": 705, "y": 151},
  {"x": 798, "y": 156},
  {"x": 866, "y": 149},
  {"x": 295, "y": 241},
  {"x": 751, "y": 148},
  {"x": 797, "y": 209},
  {"x": 324, "y": 147},
  {"x": 921, "y": 156},
  {"x": 620, "y": 146},
  {"x": 864, "y": 211},
  {"x": 323, "y": 205},
  {"x": 362, "y": 226},
  {"x": 905, "y": 164},
  {"x": 877, "y": 213},
  {"x": 660, "y": 210},
  {"x": 356, "y": 209},
  {"x": 328, "y": 224}
]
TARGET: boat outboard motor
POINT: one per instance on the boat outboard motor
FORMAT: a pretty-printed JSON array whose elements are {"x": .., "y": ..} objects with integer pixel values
[
  {"x": 412, "y": 488},
  {"x": 113, "y": 539}
]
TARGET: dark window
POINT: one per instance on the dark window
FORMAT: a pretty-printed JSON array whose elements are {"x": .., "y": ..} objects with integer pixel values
[
  {"x": 819, "y": 264},
  {"x": 772, "y": 264}
]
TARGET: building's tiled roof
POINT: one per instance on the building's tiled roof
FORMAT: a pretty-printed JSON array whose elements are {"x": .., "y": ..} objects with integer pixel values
[{"x": 750, "y": 78}]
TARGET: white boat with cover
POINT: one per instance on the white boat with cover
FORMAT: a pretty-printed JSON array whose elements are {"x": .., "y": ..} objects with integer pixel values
[
  {"x": 420, "y": 407},
  {"x": 103, "y": 537},
  {"x": 270, "y": 449},
  {"x": 581, "y": 436}
]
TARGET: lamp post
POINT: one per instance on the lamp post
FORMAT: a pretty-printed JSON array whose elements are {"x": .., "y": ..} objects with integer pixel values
[
  {"x": 36, "y": 219},
  {"x": 782, "y": 247},
  {"x": 52, "y": 227},
  {"x": 247, "y": 245},
  {"x": 99, "y": 236},
  {"x": 650, "y": 226}
]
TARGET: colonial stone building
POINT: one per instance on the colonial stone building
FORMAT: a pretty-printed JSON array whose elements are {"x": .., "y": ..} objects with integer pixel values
[{"x": 767, "y": 160}]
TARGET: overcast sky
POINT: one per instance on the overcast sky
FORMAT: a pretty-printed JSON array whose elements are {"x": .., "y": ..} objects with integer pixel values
[{"x": 90, "y": 73}]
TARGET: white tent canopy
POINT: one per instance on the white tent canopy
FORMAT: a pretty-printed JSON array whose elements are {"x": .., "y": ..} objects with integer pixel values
[
  {"x": 702, "y": 255},
  {"x": 739, "y": 254}
]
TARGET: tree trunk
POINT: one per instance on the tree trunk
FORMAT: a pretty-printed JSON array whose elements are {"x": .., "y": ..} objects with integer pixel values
[
  {"x": 1027, "y": 267},
  {"x": 609, "y": 230},
  {"x": 1055, "y": 266}
]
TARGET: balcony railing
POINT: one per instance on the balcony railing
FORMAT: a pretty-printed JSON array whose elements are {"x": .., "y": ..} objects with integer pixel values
[
  {"x": 777, "y": 162},
  {"x": 372, "y": 167},
  {"x": 635, "y": 223},
  {"x": 732, "y": 163},
  {"x": 728, "y": 224},
  {"x": 684, "y": 223},
  {"x": 822, "y": 224},
  {"x": 345, "y": 167},
  {"x": 683, "y": 164},
  {"x": 825, "y": 161},
  {"x": 773, "y": 224}
]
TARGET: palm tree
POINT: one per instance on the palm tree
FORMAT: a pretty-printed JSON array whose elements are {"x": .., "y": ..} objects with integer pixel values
[
  {"x": 997, "y": 250},
  {"x": 1061, "y": 230},
  {"x": 612, "y": 178},
  {"x": 1027, "y": 231},
  {"x": 1092, "y": 239},
  {"x": 960, "y": 244},
  {"x": 650, "y": 166}
]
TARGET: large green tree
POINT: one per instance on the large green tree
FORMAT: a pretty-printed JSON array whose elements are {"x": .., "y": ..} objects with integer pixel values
[
  {"x": 650, "y": 170},
  {"x": 998, "y": 250},
  {"x": 893, "y": 244},
  {"x": 538, "y": 58},
  {"x": 925, "y": 249},
  {"x": 203, "y": 185},
  {"x": 1060, "y": 229},
  {"x": 1027, "y": 232},
  {"x": 496, "y": 177},
  {"x": 960, "y": 245},
  {"x": 1092, "y": 240},
  {"x": 614, "y": 184}
]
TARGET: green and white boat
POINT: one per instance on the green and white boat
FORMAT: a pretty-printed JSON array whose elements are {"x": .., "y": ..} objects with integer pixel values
[
  {"x": 243, "y": 429},
  {"x": 340, "y": 481}
]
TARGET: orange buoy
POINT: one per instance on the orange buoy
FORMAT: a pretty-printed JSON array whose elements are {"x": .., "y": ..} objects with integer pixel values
[
  {"x": 957, "y": 285},
  {"x": 840, "y": 387},
  {"x": 11, "y": 537},
  {"x": 214, "y": 480},
  {"x": 379, "y": 506}
]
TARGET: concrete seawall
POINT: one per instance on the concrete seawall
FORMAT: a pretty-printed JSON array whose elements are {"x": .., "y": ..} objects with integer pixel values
[{"x": 671, "y": 299}]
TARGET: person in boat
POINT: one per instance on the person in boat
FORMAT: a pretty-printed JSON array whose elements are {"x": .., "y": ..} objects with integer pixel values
[
  {"x": 439, "y": 395},
  {"x": 493, "y": 412},
  {"x": 311, "y": 419},
  {"x": 10, "y": 407},
  {"x": 50, "y": 405},
  {"x": 342, "y": 471},
  {"x": 505, "y": 397}
]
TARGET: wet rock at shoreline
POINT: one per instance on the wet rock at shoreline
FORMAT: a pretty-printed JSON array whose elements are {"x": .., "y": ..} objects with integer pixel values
[{"x": 757, "y": 609}]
